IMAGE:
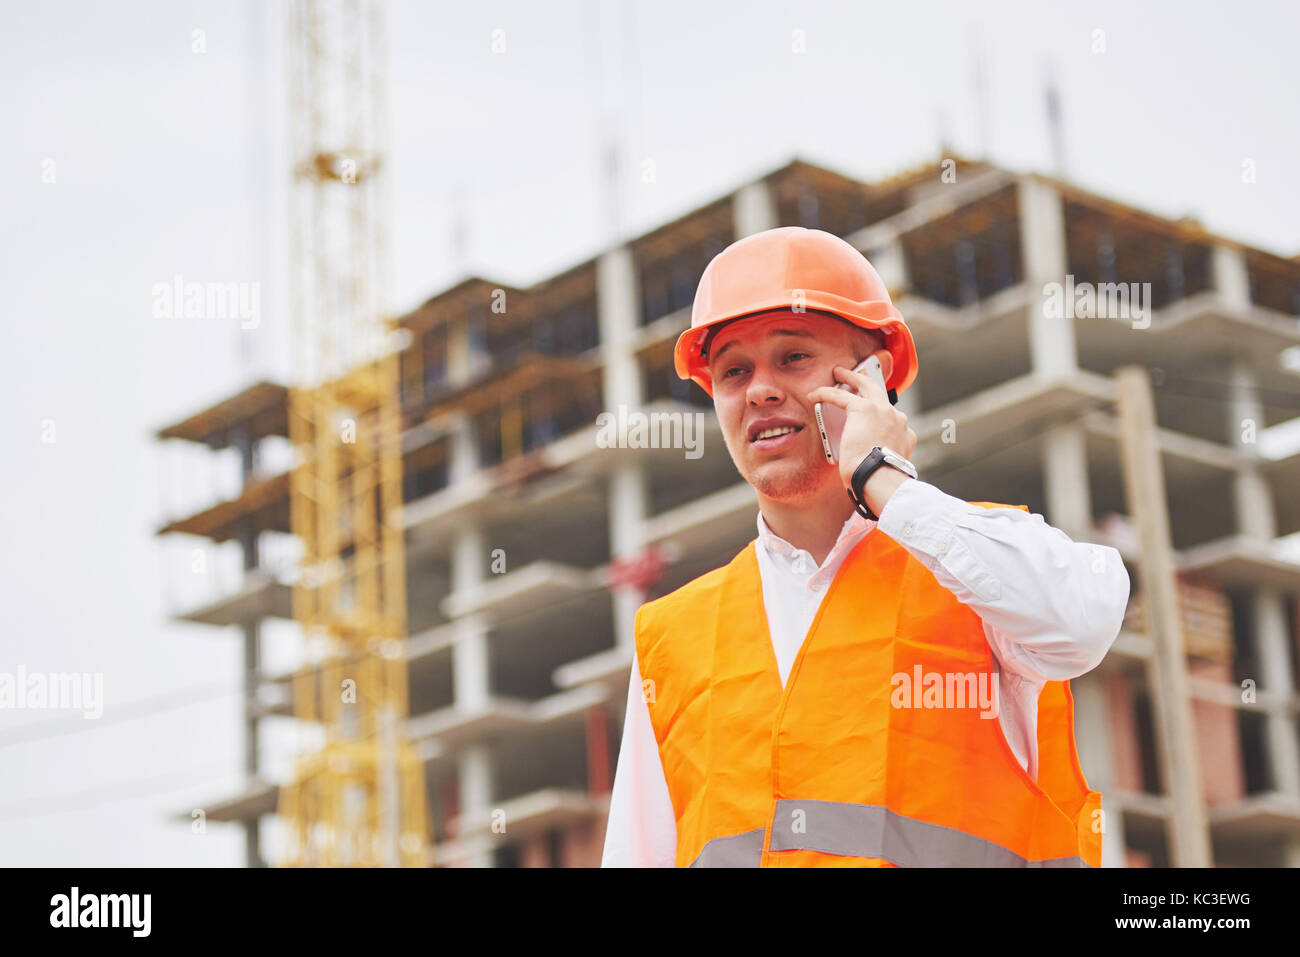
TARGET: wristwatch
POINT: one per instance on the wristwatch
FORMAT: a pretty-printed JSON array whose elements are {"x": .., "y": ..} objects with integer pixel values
[{"x": 879, "y": 456}]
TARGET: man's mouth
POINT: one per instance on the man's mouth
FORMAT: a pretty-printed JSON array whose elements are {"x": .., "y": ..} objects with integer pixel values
[{"x": 777, "y": 435}]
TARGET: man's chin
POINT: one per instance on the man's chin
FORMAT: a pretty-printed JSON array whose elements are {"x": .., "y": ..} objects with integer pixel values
[{"x": 786, "y": 480}]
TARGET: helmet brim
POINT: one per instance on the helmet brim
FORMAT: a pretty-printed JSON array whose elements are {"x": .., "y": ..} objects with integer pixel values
[{"x": 690, "y": 363}]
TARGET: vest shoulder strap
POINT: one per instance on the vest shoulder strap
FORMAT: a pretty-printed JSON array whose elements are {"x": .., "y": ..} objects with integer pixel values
[{"x": 653, "y": 616}]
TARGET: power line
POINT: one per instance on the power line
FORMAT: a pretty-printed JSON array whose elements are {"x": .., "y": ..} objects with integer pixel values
[
  {"x": 94, "y": 797},
  {"x": 170, "y": 701},
  {"x": 1224, "y": 391}
]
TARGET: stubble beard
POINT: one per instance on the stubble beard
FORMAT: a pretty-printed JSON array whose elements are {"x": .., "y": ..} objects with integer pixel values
[{"x": 788, "y": 480}]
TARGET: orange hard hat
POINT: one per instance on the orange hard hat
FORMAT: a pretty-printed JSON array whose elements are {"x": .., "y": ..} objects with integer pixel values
[{"x": 792, "y": 268}]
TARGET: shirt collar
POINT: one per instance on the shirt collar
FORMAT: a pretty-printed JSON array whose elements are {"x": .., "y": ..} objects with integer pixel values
[{"x": 855, "y": 525}]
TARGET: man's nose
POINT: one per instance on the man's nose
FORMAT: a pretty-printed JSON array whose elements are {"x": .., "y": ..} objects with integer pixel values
[{"x": 764, "y": 386}]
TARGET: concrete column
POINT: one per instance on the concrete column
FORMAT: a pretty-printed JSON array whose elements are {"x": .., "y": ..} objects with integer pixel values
[
  {"x": 252, "y": 665},
  {"x": 469, "y": 560},
  {"x": 1252, "y": 497},
  {"x": 617, "y": 310},
  {"x": 1275, "y": 677},
  {"x": 629, "y": 505},
  {"x": 252, "y": 659},
  {"x": 253, "y": 843},
  {"x": 1042, "y": 244},
  {"x": 247, "y": 450},
  {"x": 1092, "y": 735},
  {"x": 1256, "y": 519},
  {"x": 470, "y": 666},
  {"x": 474, "y": 774},
  {"x": 464, "y": 459},
  {"x": 753, "y": 209},
  {"x": 470, "y": 682},
  {"x": 1231, "y": 278},
  {"x": 1065, "y": 477},
  {"x": 618, "y": 305}
]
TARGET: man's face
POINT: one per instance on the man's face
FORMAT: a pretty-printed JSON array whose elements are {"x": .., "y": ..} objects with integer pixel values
[{"x": 762, "y": 368}]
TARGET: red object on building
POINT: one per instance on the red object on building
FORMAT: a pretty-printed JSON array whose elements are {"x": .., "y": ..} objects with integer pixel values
[
  {"x": 451, "y": 806},
  {"x": 598, "y": 778},
  {"x": 639, "y": 572}
]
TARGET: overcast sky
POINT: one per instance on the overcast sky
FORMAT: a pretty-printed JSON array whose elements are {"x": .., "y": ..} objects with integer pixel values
[{"x": 137, "y": 159}]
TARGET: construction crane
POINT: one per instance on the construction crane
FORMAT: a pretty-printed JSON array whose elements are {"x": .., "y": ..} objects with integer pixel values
[{"x": 358, "y": 796}]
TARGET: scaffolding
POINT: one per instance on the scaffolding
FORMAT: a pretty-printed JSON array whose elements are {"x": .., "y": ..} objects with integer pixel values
[{"x": 359, "y": 798}]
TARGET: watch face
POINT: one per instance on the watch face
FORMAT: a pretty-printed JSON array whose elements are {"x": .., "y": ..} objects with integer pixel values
[{"x": 893, "y": 458}]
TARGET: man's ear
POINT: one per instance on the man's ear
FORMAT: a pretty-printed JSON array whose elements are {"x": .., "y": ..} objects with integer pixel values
[{"x": 886, "y": 362}]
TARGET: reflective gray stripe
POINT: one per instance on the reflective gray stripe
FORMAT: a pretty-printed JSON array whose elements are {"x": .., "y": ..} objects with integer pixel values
[
  {"x": 867, "y": 830},
  {"x": 735, "y": 850}
]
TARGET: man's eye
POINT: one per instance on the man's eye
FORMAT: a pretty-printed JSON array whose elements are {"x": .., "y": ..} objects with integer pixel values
[
  {"x": 727, "y": 374},
  {"x": 792, "y": 355}
]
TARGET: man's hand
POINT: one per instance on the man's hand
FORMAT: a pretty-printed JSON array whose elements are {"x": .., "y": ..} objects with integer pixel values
[{"x": 869, "y": 421}]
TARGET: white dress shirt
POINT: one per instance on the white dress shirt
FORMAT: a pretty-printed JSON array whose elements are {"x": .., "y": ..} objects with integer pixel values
[{"x": 1051, "y": 608}]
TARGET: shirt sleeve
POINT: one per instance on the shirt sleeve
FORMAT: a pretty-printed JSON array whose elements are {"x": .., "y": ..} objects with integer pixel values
[
  {"x": 642, "y": 829},
  {"x": 1051, "y": 606}
]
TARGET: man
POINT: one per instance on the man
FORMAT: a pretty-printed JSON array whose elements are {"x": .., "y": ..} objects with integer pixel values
[{"x": 880, "y": 678}]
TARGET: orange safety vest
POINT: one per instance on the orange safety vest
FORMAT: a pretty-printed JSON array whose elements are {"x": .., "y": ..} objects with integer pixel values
[{"x": 841, "y": 768}]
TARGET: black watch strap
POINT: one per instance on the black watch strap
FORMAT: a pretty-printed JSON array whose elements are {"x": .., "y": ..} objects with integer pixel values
[{"x": 860, "y": 475}]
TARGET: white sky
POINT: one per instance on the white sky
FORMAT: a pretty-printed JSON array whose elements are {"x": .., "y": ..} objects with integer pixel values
[{"x": 169, "y": 162}]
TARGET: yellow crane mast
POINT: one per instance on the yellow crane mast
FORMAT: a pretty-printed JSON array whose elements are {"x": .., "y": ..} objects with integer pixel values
[{"x": 358, "y": 798}]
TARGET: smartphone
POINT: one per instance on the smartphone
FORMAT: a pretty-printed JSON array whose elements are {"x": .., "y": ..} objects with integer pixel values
[{"x": 830, "y": 418}]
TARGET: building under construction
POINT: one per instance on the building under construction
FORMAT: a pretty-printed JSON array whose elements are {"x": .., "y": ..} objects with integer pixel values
[{"x": 530, "y": 542}]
